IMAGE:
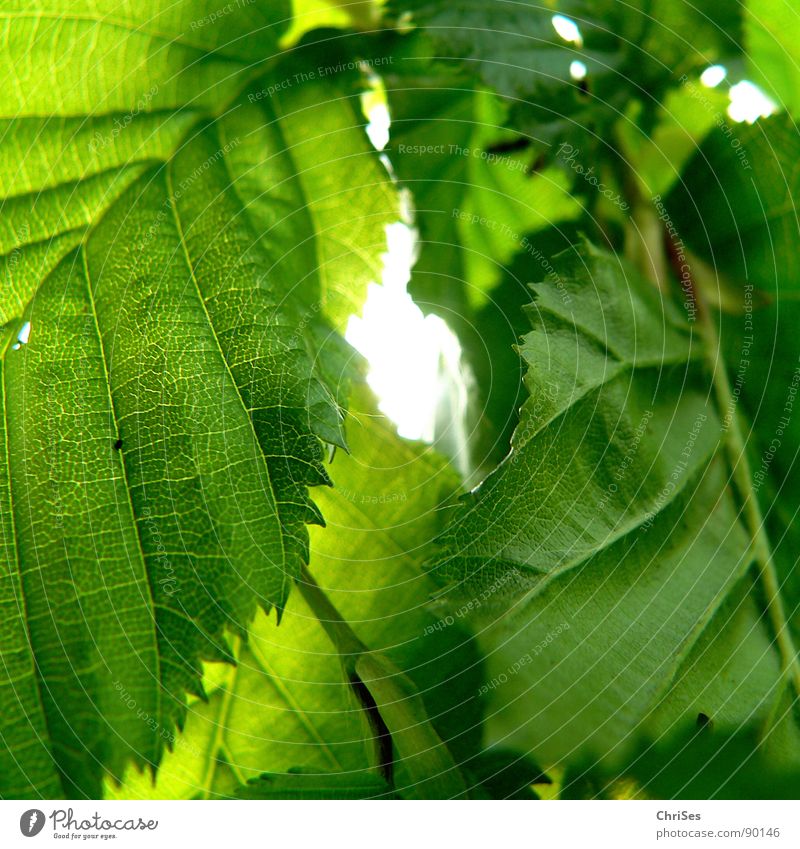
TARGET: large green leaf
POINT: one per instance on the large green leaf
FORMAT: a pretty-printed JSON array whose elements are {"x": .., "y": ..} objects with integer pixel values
[
  {"x": 735, "y": 208},
  {"x": 615, "y": 554},
  {"x": 296, "y": 147},
  {"x": 288, "y": 703},
  {"x": 169, "y": 371}
]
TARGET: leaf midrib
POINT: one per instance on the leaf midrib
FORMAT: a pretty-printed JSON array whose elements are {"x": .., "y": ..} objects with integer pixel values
[
  {"x": 18, "y": 574},
  {"x": 126, "y": 486},
  {"x": 286, "y": 580}
]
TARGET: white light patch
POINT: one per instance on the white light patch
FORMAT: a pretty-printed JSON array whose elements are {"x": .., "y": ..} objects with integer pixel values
[
  {"x": 567, "y": 29},
  {"x": 713, "y": 76},
  {"x": 405, "y": 348},
  {"x": 378, "y": 126},
  {"x": 375, "y": 106},
  {"x": 748, "y": 102},
  {"x": 22, "y": 337},
  {"x": 577, "y": 70},
  {"x": 415, "y": 366}
]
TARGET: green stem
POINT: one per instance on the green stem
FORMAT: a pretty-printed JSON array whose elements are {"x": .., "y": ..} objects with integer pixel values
[
  {"x": 734, "y": 445},
  {"x": 644, "y": 231},
  {"x": 754, "y": 520},
  {"x": 225, "y": 749},
  {"x": 217, "y": 744},
  {"x": 644, "y": 240},
  {"x": 736, "y": 452},
  {"x": 340, "y": 633},
  {"x": 393, "y": 706}
]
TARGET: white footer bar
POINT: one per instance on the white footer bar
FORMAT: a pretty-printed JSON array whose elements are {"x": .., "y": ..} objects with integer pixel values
[{"x": 400, "y": 825}]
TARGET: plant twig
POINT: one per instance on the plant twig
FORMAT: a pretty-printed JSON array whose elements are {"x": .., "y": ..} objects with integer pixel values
[
  {"x": 216, "y": 746},
  {"x": 740, "y": 470},
  {"x": 644, "y": 233},
  {"x": 393, "y": 707},
  {"x": 742, "y": 479},
  {"x": 341, "y": 634}
]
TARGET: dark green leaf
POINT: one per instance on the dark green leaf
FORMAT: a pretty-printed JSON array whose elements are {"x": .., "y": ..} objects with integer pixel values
[{"x": 608, "y": 540}]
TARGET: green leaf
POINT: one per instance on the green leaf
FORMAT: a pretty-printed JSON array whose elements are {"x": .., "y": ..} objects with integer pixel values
[
  {"x": 489, "y": 344},
  {"x": 288, "y": 704},
  {"x": 299, "y": 186},
  {"x": 169, "y": 370},
  {"x": 207, "y": 519},
  {"x": 72, "y": 170},
  {"x": 608, "y": 540},
  {"x": 734, "y": 208}
]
